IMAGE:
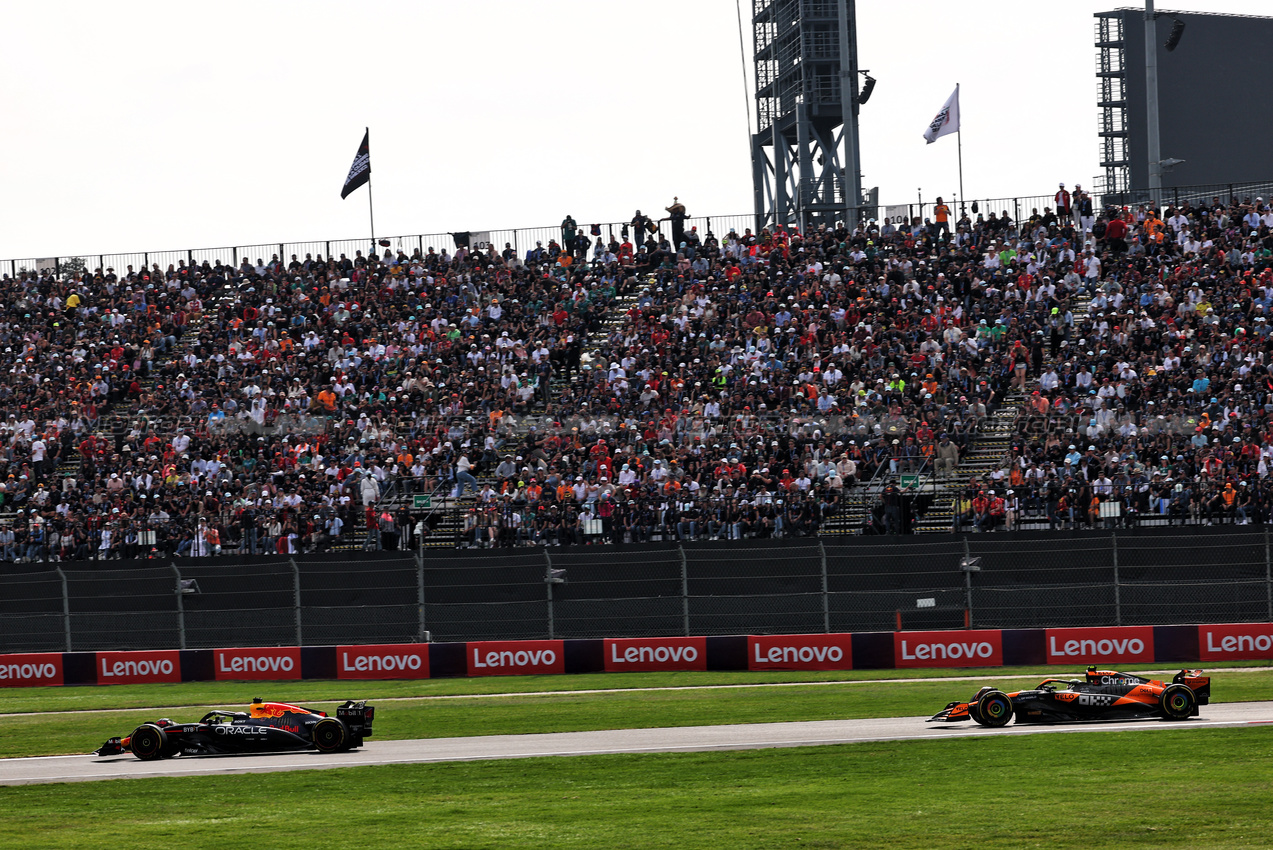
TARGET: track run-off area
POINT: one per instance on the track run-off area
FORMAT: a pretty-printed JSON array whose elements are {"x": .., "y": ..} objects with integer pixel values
[{"x": 86, "y": 768}]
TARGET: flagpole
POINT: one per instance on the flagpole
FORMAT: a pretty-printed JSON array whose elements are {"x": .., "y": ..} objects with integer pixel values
[
  {"x": 959, "y": 138},
  {"x": 371, "y": 207}
]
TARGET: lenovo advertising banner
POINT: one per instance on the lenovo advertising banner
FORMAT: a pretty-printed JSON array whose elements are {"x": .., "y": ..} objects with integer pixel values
[
  {"x": 383, "y": 661},
  {"x": 800, "y": 652},
  {"x": 265, "y": 663},
  {"x": 1113, "y": 645},
  {"x": 138, "y": 668},
  {"x": 515, "y": 657},
  {"x": 971, "y": 648},
  {"x": 629, "y": 655},
  {"x": 25, "y": 670},
  {"x": 1235, "y": 642}
]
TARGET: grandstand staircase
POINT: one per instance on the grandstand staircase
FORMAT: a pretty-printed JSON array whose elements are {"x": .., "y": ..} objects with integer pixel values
[{"x": 987, "y": 451}]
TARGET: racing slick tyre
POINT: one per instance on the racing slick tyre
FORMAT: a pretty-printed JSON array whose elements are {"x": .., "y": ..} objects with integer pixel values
[
  {"x": 994, "y": 709},
  {"x": 330, "y": 735},
  {"x": 148, "y": 742},
  {"x": 1178, "y": 702}
]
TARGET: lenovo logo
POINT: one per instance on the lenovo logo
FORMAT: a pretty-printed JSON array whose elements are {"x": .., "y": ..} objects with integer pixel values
[
  {"x": 254, "y": 664},
  {"x": 1098, "y": 648},
  {"x": 504, "y": 658},
  {"x": 520, "y": 658},
  {"x": 625, "y": 655},
  {"x": 260, "y": 664},
  {"x": 1252, "y": 641},
  {"x": 800, "y": 652},
  {"x": 136, "y": 668},
  {"x": 383, "y": 661},
  {"x": 948, "y": 649},
  {"x": 32, "y": 669},
  {"x": 1100, "y": 645},
  {"x": 126, "y": 668}
]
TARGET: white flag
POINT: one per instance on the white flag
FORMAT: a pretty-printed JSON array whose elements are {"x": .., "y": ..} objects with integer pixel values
[{"x": 947, "y": 121}]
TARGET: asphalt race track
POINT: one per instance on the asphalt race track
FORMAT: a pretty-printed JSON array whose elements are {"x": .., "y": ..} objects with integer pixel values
[{"x": 85, "y": 768}]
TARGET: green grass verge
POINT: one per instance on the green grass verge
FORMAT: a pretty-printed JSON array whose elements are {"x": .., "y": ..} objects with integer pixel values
[
  {"x": 229, "y": 694},
  {"x": 1206, "y": 788},
  {"x": 37, "y": 734}
]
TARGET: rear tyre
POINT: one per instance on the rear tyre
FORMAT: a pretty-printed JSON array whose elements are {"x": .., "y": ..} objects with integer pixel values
[
  {"x": 995, "y": 709},
  {"x": 330, "y": 735},
  {"x": 1178, "y": 702},
  {"x": 148, "y": 742}
]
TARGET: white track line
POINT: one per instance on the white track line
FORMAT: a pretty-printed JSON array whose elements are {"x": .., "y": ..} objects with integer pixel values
[{"x": 507, "y": 695}]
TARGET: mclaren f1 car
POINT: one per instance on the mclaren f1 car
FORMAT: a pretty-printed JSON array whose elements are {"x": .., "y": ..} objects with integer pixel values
[
  {"x": 1100, "y": 695},
  {"x": 266, "y": 727}
]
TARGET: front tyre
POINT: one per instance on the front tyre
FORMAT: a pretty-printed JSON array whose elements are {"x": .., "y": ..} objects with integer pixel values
[
  {"x": 994, "y": 709},
  {"x": 148, "y": 742},
  {"x": 1178, "y": 702},
  {"x": 330, "y": 735}
]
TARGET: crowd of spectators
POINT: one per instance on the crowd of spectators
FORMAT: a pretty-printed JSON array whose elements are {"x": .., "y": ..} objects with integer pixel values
[
  {"x": 1151, "y": 401},
  {"x": 617, "y": 386}
]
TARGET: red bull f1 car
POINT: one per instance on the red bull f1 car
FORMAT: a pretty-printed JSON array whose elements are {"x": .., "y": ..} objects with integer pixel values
[
  {"x": 1100, "y": 695},
  {"x": 266, "y": 727}
]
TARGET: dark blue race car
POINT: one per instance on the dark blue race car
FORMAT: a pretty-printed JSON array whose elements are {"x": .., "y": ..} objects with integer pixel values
[{"x": 265, "y": 728}]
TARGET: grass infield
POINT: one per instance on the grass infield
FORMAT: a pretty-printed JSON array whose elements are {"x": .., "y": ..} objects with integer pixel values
[
  {"x": 414, "y": 715},
  {"x": 1207, "y": 788}
]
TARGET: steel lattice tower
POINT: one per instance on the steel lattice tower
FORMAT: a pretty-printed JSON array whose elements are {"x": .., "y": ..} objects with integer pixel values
[{"x": 806, "y": 169}]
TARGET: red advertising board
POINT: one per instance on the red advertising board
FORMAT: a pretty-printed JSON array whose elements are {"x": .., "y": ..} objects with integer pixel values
[
  {"x": 627, "y": 655},
  {"x": 138, "y": 668},
  {"x": 515, "y": 657},
  {"x": 980, "y": 648},
  {"x": 1235, "y": 641},
  {"x": 257, "y": 663},
  {"x": 1112, "y": 645},
  {"x": 24, "y": 670},
  {"x": 800, "y": 652},
  {"x": 383, "y": 661}
]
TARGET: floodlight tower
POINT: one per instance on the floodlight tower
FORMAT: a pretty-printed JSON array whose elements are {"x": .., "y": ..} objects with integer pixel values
[{"x": 805, "y": 164}]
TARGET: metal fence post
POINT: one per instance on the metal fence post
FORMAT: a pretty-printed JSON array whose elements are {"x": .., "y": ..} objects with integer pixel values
[
  {"x": 1268, "y": 572},
  {"x": 1118, "y": 603},
  {"x": 967, "y": 587},
  {"x": 685, "y": 592},
  {"x": 419, "y": 588},
  {"x": 826, "y": 601},
  {"x": 296, "y": 598},
  {"x": 548, "y": 574},
  {"x": 181, "y": 607},
  {"x": 66, "y": 609}
]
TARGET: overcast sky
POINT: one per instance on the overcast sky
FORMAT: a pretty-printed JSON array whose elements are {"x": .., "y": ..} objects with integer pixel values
[{"x": 149, "y": 126}]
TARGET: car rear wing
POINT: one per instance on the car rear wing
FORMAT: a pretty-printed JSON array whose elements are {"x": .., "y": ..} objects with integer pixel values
[
  {"x": 1196, "y": 682},
  {"x": 357, "y": 717}
]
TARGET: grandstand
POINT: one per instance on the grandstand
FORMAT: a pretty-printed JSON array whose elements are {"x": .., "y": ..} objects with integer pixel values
[{"x": 1015, "y": 369}]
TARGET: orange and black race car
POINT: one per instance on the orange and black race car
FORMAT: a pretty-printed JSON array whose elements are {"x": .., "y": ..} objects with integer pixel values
[{"x": 1101, "y": 695}]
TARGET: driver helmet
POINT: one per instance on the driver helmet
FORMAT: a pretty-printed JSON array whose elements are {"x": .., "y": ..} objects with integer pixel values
[{"x": 163, "y": 722}]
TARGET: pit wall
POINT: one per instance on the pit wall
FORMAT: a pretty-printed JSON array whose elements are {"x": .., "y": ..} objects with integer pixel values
[{"x": 1112, "y": 646}]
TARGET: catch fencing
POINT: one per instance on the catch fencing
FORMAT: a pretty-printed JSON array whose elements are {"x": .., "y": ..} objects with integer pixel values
[{"x": 1021, "y": 581}]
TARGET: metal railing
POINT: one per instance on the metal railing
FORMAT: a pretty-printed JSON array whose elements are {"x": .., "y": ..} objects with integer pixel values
[{"x": 523, "y": 239}]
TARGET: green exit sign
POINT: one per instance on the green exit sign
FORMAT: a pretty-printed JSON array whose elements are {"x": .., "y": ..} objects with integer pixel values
[{"x": 421, "y": 501}]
